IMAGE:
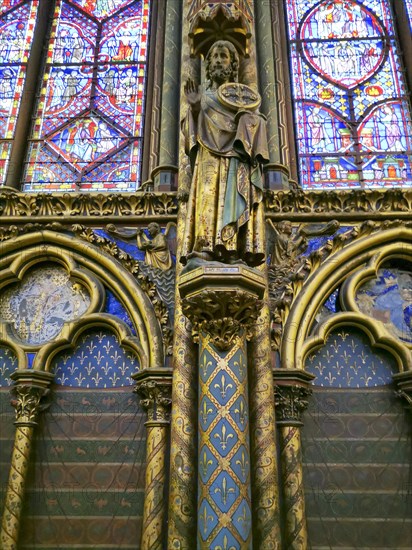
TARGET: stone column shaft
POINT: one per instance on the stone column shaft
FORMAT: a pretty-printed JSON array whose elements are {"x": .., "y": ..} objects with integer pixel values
[
  {"x": 30, "y": 387},
  {"x": 154, "y": 386},
  {"x": 224, "y": 484},
  {"x": 291, "y": 392},
  {"x": 223, "y": 303}
]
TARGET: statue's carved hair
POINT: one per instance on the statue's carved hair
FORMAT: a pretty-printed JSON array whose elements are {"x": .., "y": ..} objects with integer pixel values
[{"x": 234, "y": 58}]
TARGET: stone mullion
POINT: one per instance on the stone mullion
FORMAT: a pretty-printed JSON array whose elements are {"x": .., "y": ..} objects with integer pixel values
[
  {"x": 154, "y": 387},
  {"x": 30, "y": 387},
  {"x": 273, "y": 100},
  {"x": 224, "y": 492},
  {"x": 291, "y": 393},
  {"x": 164, "y": 174}
]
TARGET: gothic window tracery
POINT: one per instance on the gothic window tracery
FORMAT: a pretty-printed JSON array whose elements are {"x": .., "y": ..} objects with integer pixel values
[
  {"x": 352, "y": 116},
  {"x": 87, "y": 126}
]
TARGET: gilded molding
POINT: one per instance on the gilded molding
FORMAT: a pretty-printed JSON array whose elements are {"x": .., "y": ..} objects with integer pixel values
[
  {"x": 160, "y": 206},
  {"x": 353, "y": 204}
]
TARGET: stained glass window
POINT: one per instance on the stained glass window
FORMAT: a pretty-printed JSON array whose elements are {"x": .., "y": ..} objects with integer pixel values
[
  {"x": 408, "y": 4},
  {"x": 352, "y": 115},
  {"x": 17, "y": 21},
  {"x": 87, "y": 133}
]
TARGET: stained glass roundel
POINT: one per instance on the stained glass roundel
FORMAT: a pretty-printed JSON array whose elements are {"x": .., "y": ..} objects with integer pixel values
[
  {"x": 328, "y": 32},
  {"x": 39, "y": 306}
]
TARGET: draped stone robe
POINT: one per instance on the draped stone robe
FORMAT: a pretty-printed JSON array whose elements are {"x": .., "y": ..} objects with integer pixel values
[{"x": 225, "y": 211}]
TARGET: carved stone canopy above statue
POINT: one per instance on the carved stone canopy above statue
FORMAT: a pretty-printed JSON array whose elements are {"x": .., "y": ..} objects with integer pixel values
[{"x": 215, "y": 20}]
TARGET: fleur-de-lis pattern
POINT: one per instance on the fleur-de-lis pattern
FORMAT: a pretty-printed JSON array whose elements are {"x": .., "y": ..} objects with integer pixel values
[
  {"x": 224, "y": 453},
  {"x": 348, "y": 361},
  {"x": 98, "y": 361},
  {"x": 8, "y": 364}
]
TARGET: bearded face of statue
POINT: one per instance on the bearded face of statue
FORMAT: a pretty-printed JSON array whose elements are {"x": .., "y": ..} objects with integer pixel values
[{"x": 220, "y": 65}]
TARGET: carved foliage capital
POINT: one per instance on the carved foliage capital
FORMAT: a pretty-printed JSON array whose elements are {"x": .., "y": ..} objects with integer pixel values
[
  {"x": 155, "y": 398},
  {"x": 222, "y": 314},
  {"x": 27, "y": 403},
  {"x": 290, "y": 402}
]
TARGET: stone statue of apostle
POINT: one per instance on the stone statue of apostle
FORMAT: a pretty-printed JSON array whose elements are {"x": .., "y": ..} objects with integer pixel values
[{"x": 225, "y": 138}]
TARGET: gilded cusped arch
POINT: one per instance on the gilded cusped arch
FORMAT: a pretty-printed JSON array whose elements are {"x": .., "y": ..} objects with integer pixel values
[
  {"x": 87, "y": 263},
  {"x": 97, "y": 267},
  {"x": 353, "y": 265}
]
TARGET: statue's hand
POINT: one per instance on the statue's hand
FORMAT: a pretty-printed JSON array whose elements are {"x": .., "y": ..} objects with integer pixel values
[{"x": 193, "y": 95}]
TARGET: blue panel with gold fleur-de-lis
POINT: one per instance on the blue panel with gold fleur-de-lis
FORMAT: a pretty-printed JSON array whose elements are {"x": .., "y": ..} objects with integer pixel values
[
  {"x": 97, "y": 361},
  {"x": 347, "y": 360},
  {"x": 224, "y": 453}
]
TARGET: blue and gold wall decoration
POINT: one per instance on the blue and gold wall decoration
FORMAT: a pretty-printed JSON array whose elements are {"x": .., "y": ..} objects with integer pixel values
[
  {"x": 8, "y": 364},
  {"x": 224, "y": 496},
  {"x": 98, "y": 361},
  {"x": 347, "y": 360}
]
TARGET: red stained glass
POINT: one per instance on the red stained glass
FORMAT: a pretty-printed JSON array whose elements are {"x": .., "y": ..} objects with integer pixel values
[
  {"x": 351, "y": 110},
  {"x": 88, "y": 128}
]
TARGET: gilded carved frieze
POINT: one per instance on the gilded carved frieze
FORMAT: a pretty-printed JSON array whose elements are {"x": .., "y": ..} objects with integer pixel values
[
  {"x": 96, "y": 205},
  {"x": 344, "y": 204}
]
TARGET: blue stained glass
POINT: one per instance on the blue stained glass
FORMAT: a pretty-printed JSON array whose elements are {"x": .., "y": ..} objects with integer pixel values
[
  {"x": 88, "y": 130},
  {"x": 352, "y": 118},
  {"x": 408, "y": 5},
  {"x": 16, "y": 34}
]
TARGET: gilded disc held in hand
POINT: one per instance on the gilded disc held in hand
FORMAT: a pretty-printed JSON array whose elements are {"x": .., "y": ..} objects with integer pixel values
[{"x": 235, "y": 96}]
